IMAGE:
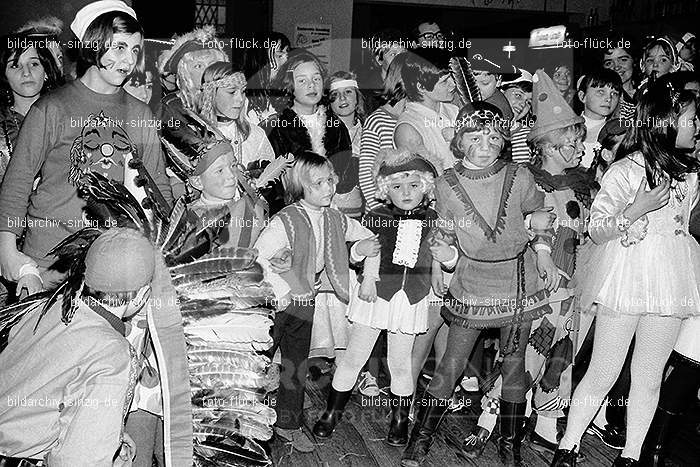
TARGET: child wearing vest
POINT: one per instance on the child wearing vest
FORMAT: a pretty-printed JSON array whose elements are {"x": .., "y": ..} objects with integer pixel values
[
  {"x": 393, "y": 295},
  {"x": 317, "y": 236}
]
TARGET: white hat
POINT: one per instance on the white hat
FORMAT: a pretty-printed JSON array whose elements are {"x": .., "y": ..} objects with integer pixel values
[
  {"x": 91, "y": 11},
  {"x": 525, "y": 77}
]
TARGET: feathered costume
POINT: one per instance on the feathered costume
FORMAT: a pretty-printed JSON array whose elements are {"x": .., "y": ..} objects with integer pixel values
[{"x": 221, "y": 296}]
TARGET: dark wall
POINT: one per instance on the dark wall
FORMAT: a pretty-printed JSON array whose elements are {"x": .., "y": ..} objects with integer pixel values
[{"x": 160, "y": 18}]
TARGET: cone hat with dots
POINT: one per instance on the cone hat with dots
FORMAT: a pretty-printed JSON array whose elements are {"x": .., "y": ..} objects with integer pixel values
[{"x": 550, "y": 109}]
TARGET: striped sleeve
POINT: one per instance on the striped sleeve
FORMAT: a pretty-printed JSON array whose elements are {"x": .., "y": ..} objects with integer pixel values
[{"x": 377, "y": 134}]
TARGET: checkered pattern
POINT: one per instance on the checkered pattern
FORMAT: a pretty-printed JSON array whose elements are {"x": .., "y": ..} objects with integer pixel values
[{"x": 541, "y": 339}]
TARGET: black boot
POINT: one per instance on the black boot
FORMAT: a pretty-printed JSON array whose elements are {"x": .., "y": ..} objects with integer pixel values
[
  {"x": 625, "y": 462},
  {"x": 334, "y": 411},
  {"x": 398, "y": 428},
  {"x": 431, "y": 410},
  {"x": 512, "y": 423},
  {"x": 652, "y": 450},
  {"x": 564, "y": 458}
]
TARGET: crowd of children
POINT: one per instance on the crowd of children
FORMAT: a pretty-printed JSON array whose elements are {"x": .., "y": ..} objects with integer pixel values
[{"x": 465, "y": 198}]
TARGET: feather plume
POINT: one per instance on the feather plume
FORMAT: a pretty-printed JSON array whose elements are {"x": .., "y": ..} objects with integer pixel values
[
  {"x": 274, "y": 170},
  {"x": 467, "y": 88},
  {"x": 217, "y": 448},
  {"x": 203, "y": 34}
]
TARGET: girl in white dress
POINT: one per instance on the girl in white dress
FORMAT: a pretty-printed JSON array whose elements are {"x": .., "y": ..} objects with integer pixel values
[{"x": 644, "y": 271}]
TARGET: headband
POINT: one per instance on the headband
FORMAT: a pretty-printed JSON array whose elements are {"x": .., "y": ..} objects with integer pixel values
[
  {"x": 343, "y": 83},
  {"x": 236, "y": 80},
  {"x": 484, "y": 116}
]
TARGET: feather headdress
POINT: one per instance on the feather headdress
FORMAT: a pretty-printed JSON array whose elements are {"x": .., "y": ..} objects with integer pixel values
[
  {"x": 199, "y": 39},
  {"x": 195, "y": 145}
]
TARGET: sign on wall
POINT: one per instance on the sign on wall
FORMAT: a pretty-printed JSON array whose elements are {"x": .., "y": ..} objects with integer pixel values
[{"x": 316, "y": 38}]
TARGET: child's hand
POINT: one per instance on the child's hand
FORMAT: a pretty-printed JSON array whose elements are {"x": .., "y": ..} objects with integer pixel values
[
  {"x": 369, "y": 246},
  {"x": 29, "y": 284},
  {"x": 368, "y": 290},
  {"x": 441, "y": 251},
  {"x": 281, "y": 261},
  {"x": 542, "y": 219},
  {"x": 548, "y": 270},
  {"x": 438, "y": 282},
  {"x": 647, "y": 201}
]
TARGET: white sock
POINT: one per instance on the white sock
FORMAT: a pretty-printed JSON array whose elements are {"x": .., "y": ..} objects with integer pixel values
[{"x": 546, "y": 427}]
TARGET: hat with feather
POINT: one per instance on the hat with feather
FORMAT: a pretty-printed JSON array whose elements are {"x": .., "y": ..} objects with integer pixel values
[
  {"x": 195, "y": 145},
  {"x": 203, "y": 38}
]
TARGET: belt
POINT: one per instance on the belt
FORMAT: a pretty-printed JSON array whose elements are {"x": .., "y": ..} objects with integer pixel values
[{"x": 19, "y": 462}]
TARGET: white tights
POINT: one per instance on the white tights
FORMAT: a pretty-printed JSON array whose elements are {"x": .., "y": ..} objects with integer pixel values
[
  {"x": 360, "y": 345},
  {"x": 655, "y": 338}
]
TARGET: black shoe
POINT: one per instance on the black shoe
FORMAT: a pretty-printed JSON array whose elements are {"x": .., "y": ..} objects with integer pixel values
[
  {"x": 564, "y": 458},
  {"x": 398, "y": 428},
  {"x": 612, "y": 437},
  {"x": 539, "y": 444},
  {"x": 474, "y": 444},
  {"x": 334, "y": 411},
  {"x": 512, "y": 423},
  {"x": 653, "y": 448},
  {"x": 430, "y": 413},
  {"x": 625, "y": 462}
]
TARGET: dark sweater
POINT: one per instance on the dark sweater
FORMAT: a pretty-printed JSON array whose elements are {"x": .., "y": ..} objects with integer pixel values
[{"x": 65, "y": 133}]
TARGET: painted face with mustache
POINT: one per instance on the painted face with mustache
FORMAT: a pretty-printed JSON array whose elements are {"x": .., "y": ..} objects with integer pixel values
[{"x": 482, "y": 148}]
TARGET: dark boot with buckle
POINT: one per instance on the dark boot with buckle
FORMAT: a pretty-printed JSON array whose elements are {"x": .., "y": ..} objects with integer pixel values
[
  {"x": 430, "y": 413},
  {"x": 564, "y": 458},
  {"x": 398, "y": 427},
  {"x": 512, "y": 422},
  {"x": 334, "y": 412},
  {"x": 653, "y": 449}
]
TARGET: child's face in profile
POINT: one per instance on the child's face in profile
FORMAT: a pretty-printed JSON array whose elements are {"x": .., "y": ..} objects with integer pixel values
[
  {"x": 219, "y": 182},
  {"x": 406, "y": 191},
  {"x": 308, "y": 84},
  {"x": 481, "y": 148},
  {"x": 568, "y": 153},
  {"x": 600, "y": 102},
  {"x": 486, "y": 82},
  {"x": 319, "y": 187}
]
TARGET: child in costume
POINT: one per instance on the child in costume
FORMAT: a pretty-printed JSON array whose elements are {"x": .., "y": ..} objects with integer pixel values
[
  {"x": 348, "y": 104},
  {"x": 393, "y": 295},
  {"x": 97, "y": 141},
  {"x": 557, "y": 142},
  {"x": 481, "y": 203},
  {"x": 641, "y": 237},
  {"x": 223, "y": 102},
  {"x": 305, "y": 123},
  {"x": 518, "y": 92},
  {"x": 599, "y": 91},
  {"x": 317, "y": 235},
  {"x": 73, "y": 350}
]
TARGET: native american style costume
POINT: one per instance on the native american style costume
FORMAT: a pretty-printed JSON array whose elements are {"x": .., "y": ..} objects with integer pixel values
[{"x": 226, "y": 319}]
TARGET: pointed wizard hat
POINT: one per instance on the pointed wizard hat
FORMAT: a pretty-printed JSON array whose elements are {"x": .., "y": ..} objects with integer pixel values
[{"x": 550, "y": 109}]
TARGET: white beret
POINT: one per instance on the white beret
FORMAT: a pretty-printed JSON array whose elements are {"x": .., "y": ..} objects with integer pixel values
[{"x": 91, "y": 11}]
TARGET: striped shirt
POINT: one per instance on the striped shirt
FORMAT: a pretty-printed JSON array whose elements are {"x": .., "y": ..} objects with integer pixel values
[
  {"x": 377, "y": 134},
  {"x": 519, "y": 148}
]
